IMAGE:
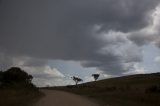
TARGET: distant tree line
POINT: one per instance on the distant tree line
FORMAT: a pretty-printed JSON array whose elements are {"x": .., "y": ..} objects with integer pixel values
[{"x": 15, "y": 76}]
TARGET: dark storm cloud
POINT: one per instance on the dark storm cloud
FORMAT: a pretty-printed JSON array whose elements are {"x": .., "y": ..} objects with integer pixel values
[
  {"x": 5, "y": 60},
  {"x": 158, "y": 44},
  {"x": 65, "y": 29},
  {"x": 141, "y": 38}
]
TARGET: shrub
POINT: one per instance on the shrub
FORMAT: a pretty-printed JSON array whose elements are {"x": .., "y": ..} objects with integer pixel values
[
  {"x": 15, "y": 77},
  {"x": 153, "y": 89}
]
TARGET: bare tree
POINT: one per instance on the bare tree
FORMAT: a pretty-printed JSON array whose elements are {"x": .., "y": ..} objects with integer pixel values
[
  {"x": 76, "y": 79},
  {"x": 96, "y": 76}
]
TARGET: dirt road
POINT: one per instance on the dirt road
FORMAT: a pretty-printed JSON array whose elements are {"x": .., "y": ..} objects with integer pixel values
[{"x": 60, "y": 98}]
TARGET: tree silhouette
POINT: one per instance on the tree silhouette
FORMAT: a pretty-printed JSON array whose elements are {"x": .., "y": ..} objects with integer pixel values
[
  {"x": 96, "y": 76},
  {"x": 76, "y": 79},
  {"x": 1, "y": 78},
  {"x": 16, "y": 76}
]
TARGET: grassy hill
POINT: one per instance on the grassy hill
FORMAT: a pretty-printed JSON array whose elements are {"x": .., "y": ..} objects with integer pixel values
[{"x": 134, "y": 90}]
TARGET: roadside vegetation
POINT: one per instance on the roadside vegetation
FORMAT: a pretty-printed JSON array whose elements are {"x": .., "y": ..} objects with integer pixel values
[
  {"x": 134, "y": 90},
  {"x": 16, "y": 88}
]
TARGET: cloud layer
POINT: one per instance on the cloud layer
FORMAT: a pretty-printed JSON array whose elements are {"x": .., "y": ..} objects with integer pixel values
[{"x": 106, "y": 34}]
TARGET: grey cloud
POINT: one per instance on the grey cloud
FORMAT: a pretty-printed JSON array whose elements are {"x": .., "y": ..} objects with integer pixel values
[
  {"x": 34, "y": 62},
  {"x": 158, "y": 43},
  {"x": 150, "y": 33},
  {"x": 64, "y": 29},
  {"x": 5, "y": 61},
  {"x": 121, "y": 58},
  {"x": 141, "y": 38}
]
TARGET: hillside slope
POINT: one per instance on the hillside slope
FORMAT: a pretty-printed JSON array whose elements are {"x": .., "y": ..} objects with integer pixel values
[{"x": 134, "y": 90}]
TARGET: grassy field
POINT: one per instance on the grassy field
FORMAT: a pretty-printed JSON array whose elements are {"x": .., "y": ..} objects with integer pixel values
[
  {"x": 135, "y": 90},
  {"x": 18, "y": 97},
  {"x": 16, "y": 88}
]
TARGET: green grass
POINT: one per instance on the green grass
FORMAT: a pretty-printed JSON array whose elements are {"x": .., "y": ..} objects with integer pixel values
[{"x": 135, "y": 90}]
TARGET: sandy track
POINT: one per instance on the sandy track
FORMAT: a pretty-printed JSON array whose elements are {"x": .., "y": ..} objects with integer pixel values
[{"x": 60, "y": 98}]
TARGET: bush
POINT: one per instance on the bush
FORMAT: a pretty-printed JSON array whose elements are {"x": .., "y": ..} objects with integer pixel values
[
  {"x": 153, "y": 89},
  {"x": 15, "y": 77}
]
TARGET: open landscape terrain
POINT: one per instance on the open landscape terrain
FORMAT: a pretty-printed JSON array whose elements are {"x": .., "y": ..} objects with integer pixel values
[
  {"x": 134, "y": 90},
  {"x": 19, "y": 97},
  {"x": 16, "y": 88},
  {"x": 56, "y": 52}
]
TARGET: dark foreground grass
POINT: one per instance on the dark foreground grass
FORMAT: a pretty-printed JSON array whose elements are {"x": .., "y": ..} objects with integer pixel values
[
  {"x": 135, "y": 90},
  {"x": 18, "y": 97},
  {"x": 16, "y": 88}
]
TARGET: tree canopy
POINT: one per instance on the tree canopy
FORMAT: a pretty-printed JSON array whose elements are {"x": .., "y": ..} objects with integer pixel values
[
  {"x": 15, "y": 75},
  {"x": 96, "y": 76}
]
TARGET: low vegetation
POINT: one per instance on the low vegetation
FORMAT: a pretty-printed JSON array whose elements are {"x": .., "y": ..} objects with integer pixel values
[
  {"x": 134, "y": 90},
  {"x": 16, "y": 88}
]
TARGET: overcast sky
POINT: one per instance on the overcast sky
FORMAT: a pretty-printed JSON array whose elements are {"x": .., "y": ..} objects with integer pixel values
[{"x": 56, "y": 39}]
